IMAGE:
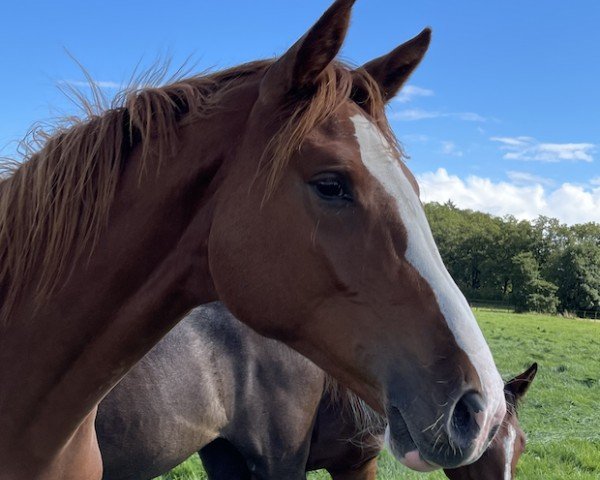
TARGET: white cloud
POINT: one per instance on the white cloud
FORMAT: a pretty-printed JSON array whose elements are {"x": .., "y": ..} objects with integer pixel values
[
  {"x": 421, "y": 114},
  {"x": 450, "y": 148},
  {"x": 513, "y": 141},
  {"x": 569, "y": 203},
  {"x": 414, "y": 114},
  {"x": 99, "y": 83},
  {"x": 414, "y": 138},
  {"x": 468, "y": 116},
  {"x": 595, "y": 181},
  {"x": 529, "y": 149},
  {"x": 526, "y": 178},
  {"x": 410, "y": 92}
]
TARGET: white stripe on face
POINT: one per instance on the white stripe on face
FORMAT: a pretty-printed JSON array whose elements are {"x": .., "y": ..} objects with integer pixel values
[
  {"x": 423, "y": 255},
  {"x": 509, "y": 450}
]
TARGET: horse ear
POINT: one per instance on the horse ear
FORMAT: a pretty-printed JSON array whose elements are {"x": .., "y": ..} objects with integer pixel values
[
  {"x": 299, "y": 68},
  {"x": 391, "y": 71},
  {"x": 519, "y": 385}
]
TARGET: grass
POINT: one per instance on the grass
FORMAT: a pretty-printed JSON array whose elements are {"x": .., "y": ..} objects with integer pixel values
[{"x": 561, "y": 414}]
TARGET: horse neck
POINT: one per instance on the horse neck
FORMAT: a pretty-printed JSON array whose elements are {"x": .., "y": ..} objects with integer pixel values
[{"x": 148, "y": 268}]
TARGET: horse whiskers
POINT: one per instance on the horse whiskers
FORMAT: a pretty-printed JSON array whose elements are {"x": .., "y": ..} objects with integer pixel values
[
  {"x": 435, "y": 443},
  {"x": 434, "y": 424}
]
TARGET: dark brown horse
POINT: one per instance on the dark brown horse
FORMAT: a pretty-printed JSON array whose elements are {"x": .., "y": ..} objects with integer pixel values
[
  {"x": 255, "y": 409},
  {"x": 499, "y": 461},
  {"x": 246, "y": 403},
  {"x": 275, "y": 187}
]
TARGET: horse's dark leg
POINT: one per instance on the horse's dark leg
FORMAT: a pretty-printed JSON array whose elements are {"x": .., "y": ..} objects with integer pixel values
[
  {"x": 367, "y": 471},
  {"x": 222, "y": 461}
]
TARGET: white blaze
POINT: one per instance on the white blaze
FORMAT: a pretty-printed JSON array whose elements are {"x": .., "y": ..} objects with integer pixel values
[
  {"x": 509, "y": 449},
  {"x": 423, "y": 255}
]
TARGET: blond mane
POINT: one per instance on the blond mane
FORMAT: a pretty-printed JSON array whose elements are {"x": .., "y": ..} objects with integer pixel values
[{"x": 55, "y": 203}]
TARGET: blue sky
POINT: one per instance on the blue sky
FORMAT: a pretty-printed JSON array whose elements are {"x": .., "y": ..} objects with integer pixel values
[{"x": 502, "y": 116}]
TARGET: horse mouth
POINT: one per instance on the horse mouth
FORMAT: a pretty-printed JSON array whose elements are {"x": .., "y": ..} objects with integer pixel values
[
  {"x": 402, "y": 445},
  {"x": 400, "y": 428}
]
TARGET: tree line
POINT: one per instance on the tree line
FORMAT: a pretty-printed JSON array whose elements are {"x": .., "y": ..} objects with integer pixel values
[{"x": 539, "y": 265}]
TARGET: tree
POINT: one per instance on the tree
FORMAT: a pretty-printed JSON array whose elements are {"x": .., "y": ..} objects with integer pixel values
[
  {"x": 549, "y": 237},
  {"x": 530, "y": 292},
  {"x": 477, "y": 248},
  {"x": 576, "y": 270},
  {"x": 586, "y": 232},
  {"x": 539, "y": 265}
]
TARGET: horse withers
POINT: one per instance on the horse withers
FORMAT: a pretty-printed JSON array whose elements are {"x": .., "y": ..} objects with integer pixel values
[
  {"x": 276, "y": 187},
  {"x": 254, "y": 409}
]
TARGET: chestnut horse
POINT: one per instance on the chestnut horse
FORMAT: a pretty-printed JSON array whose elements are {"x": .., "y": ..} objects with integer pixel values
[
  {"x": 275, "y": 187},
  {"x": 255, "y": 409}
]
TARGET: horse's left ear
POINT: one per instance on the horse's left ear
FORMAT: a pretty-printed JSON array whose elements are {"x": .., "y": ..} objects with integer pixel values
[
  {"x": 299, "y": 68},
  {"x": 392, "y": 70},
  {"x": 519, "y": 385}
]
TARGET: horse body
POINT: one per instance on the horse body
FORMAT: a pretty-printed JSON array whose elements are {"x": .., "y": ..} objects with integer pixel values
[
  {"x": 211, "y": 377},
  {"x": 121, "y": 224}
]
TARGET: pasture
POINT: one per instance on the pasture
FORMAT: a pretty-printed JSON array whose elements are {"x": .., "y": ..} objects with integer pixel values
[{"x": 561, "y": 414}]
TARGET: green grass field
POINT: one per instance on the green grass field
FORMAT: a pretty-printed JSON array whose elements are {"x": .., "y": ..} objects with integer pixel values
[{"x": 561, "y": 414}]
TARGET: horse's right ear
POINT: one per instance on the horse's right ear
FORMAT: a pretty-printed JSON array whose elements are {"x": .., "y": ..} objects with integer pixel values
[
  {"x": 299, "y": 68},
  {"x": 519, "y": 385}
]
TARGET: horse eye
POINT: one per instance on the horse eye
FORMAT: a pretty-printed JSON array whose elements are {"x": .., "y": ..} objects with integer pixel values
[{"x": 332, "y": 186}]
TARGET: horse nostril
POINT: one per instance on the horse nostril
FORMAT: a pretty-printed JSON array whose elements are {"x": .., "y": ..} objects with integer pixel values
[
  {"x": 463, "y": 425},
  {"x": 473, "y": 401}
]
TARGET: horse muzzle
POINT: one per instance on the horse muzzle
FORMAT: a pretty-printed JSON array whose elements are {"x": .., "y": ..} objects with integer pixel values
[{"x": 458, "y": 436}]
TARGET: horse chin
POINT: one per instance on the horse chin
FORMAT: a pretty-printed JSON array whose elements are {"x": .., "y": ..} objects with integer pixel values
[{"x": 404, "y": 449}]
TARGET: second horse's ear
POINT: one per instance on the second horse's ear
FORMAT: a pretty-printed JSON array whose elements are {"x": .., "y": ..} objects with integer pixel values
[
  {"x": 391, "y": 71},
  {"x": 299, "y": 67},
  {"x": 519, "y": 385}
]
